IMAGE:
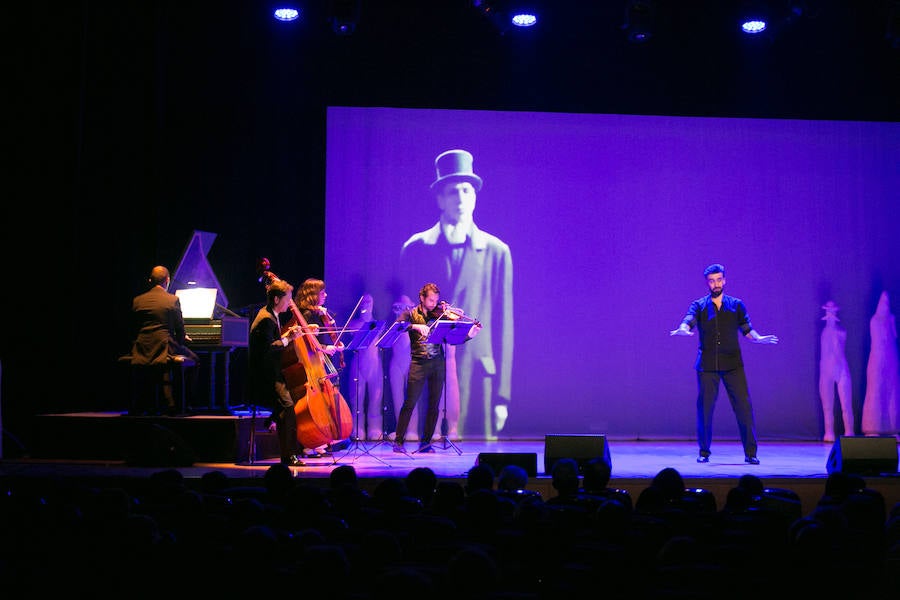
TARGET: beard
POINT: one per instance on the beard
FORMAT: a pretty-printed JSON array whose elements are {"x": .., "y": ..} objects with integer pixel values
[{"x": 716, "y": 292}]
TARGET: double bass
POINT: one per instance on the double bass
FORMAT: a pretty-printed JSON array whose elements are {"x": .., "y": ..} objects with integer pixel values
[{"x": 322, "y": 414}]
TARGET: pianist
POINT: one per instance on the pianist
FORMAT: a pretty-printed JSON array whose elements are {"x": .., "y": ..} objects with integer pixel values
[{"x": 158, "y": 327}]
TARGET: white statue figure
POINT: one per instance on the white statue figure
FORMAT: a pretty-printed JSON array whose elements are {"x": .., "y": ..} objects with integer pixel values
[
  {"x": 366, "y": 391},
  {"x": 834, "y": 373},
  {"x": 399, "y": 370},
  {"x": 881, "y": 407}
]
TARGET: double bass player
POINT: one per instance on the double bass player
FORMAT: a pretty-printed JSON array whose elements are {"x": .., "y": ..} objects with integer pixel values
[{"x": 266, "y": 382}]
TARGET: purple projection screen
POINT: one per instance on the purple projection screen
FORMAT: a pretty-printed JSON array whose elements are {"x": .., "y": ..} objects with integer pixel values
[{"x": 610, "y": 221}]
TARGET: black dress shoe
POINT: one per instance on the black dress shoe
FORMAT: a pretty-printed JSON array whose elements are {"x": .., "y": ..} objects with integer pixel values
[
  {"x": 751, "y": 460},
  {"x": 702, "y": 459},
  {"x": 338, "y": 446},
  {"x": 293, "y": 461}
]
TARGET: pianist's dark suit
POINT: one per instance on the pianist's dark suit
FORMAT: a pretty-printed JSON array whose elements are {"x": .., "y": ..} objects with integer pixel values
[{"x": 158, "y": 327}]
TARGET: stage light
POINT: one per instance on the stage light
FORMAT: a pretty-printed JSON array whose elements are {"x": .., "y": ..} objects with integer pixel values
[
  {"x": 768, "y": 19},
  {"x": 640, "y": 21},
  {"x": 504, "y": 14},
  {"x": 753, "y": 26},
  {"x": 286, "y": 13},
  {"x": 754, "y": 17},
  {"x": 524, "y": 19}
]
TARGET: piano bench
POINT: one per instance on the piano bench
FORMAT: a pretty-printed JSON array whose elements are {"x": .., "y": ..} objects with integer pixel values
[{"x": 148, "y": 381}]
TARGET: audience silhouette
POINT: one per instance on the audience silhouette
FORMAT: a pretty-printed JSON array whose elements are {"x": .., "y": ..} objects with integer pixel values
[{"x": 416, "y": 530}]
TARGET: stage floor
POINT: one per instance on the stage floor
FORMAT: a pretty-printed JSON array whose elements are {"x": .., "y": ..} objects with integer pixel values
[
  {"x": 802, "y": 466},
  {"x": 629, "y": 459}
]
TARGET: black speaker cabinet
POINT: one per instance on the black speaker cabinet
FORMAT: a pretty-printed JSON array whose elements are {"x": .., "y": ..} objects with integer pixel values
[
  {"x": 498, "y": 460},
  {"x": 863, "y": 455},
  {"x": 581, "y": 447}
]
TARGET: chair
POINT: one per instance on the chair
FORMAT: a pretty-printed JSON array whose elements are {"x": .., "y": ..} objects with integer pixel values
[{"x": 149, "y": 381}]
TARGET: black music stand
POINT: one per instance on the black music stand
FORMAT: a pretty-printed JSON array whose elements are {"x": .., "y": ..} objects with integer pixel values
[
  {"x": 385, "y": 341},
  {"x": 447, "y": 333},
  {"x": 362, "y": 339}
]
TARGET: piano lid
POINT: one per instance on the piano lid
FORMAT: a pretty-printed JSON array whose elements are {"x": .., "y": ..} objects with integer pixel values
[{"x": 194, "y": 270}]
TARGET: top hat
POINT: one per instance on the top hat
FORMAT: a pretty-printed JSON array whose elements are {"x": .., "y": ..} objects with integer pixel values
[{"x": 455, "y": 165}]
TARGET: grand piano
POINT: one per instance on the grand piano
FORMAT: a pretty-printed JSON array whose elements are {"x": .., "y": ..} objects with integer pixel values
[{"x": 214, "y": 330}]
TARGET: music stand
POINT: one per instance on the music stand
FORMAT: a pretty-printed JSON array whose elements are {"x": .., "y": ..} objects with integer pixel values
[
  {"x": 447, "y": 333},
  {"x": 386, "y": 340},
  {"x": 362, "y": 339}
]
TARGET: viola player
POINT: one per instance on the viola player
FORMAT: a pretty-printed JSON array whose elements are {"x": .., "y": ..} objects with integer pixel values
[{"x": 310, "y": 300}]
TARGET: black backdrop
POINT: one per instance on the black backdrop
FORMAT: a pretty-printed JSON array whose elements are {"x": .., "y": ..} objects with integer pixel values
[{"x": 132, "y": 125}]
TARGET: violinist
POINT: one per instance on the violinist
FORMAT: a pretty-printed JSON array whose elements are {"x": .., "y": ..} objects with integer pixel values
[
  {"x": 427, "y": 366},
  {"x": 266, "y": 382},
  {"x": 310, "y": 300}
]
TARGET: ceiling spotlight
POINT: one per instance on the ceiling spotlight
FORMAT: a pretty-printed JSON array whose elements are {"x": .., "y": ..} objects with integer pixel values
[
  {"x": 640, "y": 21},
  {"x": 503, "y": 14},
  {"x": 753, "y": 26},
  {"x": 286, "y": 13},
  {"x": 754, "y": 17},
  {"x": 524, "y": 19}
]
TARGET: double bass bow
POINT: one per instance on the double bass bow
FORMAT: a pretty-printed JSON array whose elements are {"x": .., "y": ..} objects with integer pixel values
[{"x": 322, "y": 414}]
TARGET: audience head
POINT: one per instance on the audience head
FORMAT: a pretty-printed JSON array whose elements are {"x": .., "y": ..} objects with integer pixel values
[
  {"x": 479, "y": 477},
  {"x": 449, "y": 498},
  {"x": 214, "y": 482},
  {"x": 564, "y": 476},
  {"x": 670, "y": 483},
  {"x": 752, "y": 484},
  {"x": 421, "y": 483},
  {"x": 651, "y": 501},
  {"x": 278, "y": 480},
  {"x": 841, "y": 485},
  {"x": 512, "y": 478},
  {"x": 597, "y": 473},
  {"x": 343, "y": 475}
]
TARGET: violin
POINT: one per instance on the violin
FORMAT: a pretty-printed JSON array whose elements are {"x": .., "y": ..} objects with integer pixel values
[
  {"x": 444, "y": 311},
  {"x": 330, "y": 324}
]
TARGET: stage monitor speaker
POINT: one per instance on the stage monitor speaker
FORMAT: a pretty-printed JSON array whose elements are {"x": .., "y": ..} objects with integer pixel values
[
  {"x": 498, "y": 460},
  {"x": 581, "y": 447},
  {"x": 863, "y": 455}
]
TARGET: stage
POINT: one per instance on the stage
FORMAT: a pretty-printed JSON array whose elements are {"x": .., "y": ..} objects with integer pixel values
[{"x": 111, "y": 444}]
